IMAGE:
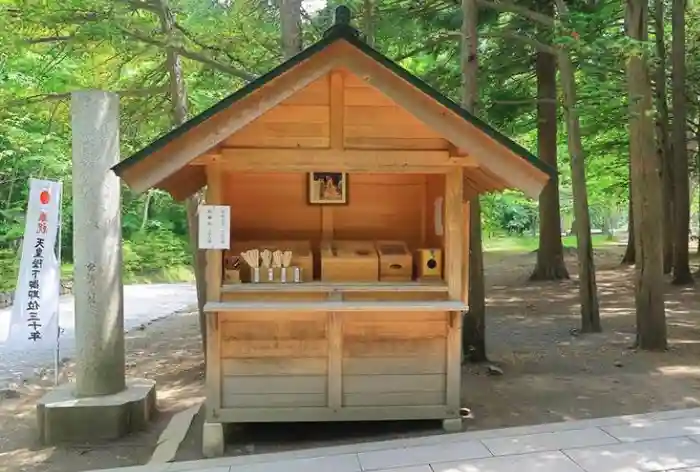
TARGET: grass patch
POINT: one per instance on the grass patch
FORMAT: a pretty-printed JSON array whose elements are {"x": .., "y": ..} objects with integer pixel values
[
  {"x": 177, "y": 273},
  {"x": 531, "y": 243},
  {"x": 163, "y": 276}
]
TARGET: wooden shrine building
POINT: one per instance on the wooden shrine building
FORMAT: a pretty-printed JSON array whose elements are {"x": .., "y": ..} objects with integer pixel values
[{"x": 346, "y": 180}]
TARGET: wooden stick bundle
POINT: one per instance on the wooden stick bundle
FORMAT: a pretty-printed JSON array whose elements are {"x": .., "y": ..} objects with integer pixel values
[
  {"x": 252, "y": 257},
  {"x": 286, "y": 258},
  {"x": 266, "y": 257}
]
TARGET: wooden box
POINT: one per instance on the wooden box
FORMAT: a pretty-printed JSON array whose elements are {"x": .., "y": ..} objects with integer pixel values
[
  {"x": 349, "y": 261},
  {"x": 395, "y": 261},
  {"x": 232, "y": 267},
  {"x": 429, "y": 264}
]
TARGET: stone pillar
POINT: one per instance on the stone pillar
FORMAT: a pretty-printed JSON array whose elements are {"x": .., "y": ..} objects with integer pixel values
[{"x": 97, "y": 245}]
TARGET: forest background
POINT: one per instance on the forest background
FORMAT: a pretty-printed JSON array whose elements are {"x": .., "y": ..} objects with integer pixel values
[{"x": 49, "y": 49}]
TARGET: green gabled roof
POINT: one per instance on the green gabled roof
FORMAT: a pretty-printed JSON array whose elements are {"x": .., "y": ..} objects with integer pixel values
[{"x": 341, "y": 30}]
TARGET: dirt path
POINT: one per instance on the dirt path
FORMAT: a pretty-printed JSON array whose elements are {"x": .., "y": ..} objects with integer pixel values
[
  {"x": 549, "y": 375},
  {"x": 167, "y": 350}
]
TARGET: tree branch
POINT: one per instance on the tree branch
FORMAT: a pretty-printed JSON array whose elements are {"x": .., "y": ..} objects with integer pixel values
[
  {"x": 537, "y": 45},
  {"x": 50, "y": 39},
  {"x": 190, "y": 36},
  {"x": 524, "y": 101},
  {"x": 44, "y": 97},
  {"x": 235, "y": 71},
  {"x": 141, "y": 5},
  {"x": 508, "y": 7},
  {"x": 429, "y": 43}
]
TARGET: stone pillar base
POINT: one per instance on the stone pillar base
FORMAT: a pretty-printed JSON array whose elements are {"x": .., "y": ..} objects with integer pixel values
[{"x": 64, "y": 418}]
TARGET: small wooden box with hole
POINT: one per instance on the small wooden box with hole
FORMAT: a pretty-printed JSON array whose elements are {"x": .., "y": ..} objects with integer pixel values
[{"x": 395, "y": 261}]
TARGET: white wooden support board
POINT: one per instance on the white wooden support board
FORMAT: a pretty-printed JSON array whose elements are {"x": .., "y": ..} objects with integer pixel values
[{"x": 214, "y": 227}]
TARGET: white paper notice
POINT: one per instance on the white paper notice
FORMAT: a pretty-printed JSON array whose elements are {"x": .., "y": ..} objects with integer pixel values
[{"x": 214, "y": 227}]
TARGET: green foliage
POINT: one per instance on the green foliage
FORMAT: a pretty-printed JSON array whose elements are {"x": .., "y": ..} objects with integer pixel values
[
  {"x": 148, "y": 252},
  {"x": 49, "y": 49},
  {"x": 508, "y": 213},
  {"x": 521, "y": 244}
]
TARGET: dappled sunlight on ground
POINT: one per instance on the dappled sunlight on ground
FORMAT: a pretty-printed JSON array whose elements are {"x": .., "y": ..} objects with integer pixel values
[
  {"x": 168, "y": 351},
  {"x": 551, "y": 372}
]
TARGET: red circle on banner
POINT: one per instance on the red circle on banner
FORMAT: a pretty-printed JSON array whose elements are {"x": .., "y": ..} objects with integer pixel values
[{"x": 45, "y": 197}]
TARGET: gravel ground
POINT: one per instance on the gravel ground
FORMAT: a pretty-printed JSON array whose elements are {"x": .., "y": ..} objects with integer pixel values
[{"x": 142, "y": 304}]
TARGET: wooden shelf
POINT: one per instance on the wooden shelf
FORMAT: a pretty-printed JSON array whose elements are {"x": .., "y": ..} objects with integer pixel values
[
  {"x": 337, "y": 306},
  {"x": 320, "y": 287}
]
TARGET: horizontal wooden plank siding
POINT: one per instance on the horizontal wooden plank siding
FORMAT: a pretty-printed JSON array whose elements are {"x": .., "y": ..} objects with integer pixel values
[
  {"x": 273, "y": 335},
  {"x": 396, "y": 296},
  {"x": 272, "y": 348},
  {"x": 266, "y": 316},
  {"x": 288, "y": 125},
  {"x": 394, "y": 398},
  {"x": 273, "y": 400},
  {"x": 275, "y": 366},
  {"x": 271, "y": 296},
  {"x": 393, "y": 383},
  {"x": 395, "y": 329},
  {"x": 394, "y": 365},
  {"x": 384, "y": 206},
  {"x": 396, "y": 316},
  {"x": 280, "y": 360},
  {"x": 399, "y": 348},
  {"x": 316, "y": 93},
  {"x": 358, "y": 413},
  {"x": 278, "y": 330},
  {"x": 361, "y": 94},
  {"x": 259, "y": 384},
  {"x": 394, "y": 361}
]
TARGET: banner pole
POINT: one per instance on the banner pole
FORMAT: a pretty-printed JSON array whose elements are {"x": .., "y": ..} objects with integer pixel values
[{"x": 57, "y": 360}]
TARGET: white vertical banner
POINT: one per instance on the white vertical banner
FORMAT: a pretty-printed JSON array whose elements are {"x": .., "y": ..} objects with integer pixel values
[
  {"x": 34, "y": 319},
  {"x": 214, "y": 227}
]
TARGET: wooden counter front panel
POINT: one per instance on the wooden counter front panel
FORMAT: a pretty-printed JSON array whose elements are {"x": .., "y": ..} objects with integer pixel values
[
  {"x": 394, "y": 359},
  {"x": 281, "y": 360},
  {"x": 273, "y": 360}
]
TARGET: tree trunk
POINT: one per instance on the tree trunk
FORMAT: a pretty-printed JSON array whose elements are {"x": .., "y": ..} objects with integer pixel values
[
  {"x": 146, "y": 209},
  {"x": 474, "y": 325},
  {"x": 681, "y": 265},
  {"x": 178, "y": 100},
  {"x": 697, "y": 170},
  {"x": 646, "y": 191},
  {"x": 662, "y": 143},
  {"x": 629, "y": 257},
  {"x": 290, "y": 20},
  {"x": 550, "y": 254},
  {"x": 588, "y": 292},
  {"x": 368, "y": 22}
]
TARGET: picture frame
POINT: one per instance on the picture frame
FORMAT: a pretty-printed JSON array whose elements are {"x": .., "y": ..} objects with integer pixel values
[{"x": 327, "y": 188}]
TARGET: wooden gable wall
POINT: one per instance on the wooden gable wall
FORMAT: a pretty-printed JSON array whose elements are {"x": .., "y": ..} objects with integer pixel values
[{"x": 371, "y": 120}]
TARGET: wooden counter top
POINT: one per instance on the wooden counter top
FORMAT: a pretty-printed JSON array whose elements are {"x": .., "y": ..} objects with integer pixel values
[
  {"x": 370, "y": 305},
  {"x": 320, "y": 287}
]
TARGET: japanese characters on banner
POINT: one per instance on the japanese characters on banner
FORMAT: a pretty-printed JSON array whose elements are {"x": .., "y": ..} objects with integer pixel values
[
  {"x": 34, "y": 319},
  {"x": 214, "y": 227}
]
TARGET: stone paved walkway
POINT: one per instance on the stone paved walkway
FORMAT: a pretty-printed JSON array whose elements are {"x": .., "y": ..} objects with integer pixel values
[
  {"x": 654, "y": 442},
  {"x": 142, "y": 303}
]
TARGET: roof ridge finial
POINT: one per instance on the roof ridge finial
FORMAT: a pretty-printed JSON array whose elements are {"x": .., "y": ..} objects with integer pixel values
[{"x": 342, "y": 15}]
